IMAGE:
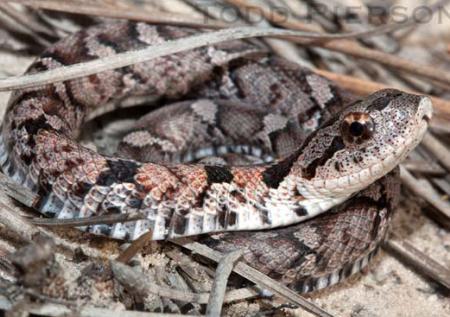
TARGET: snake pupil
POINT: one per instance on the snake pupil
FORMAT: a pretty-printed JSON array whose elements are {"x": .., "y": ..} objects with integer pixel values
[{"x": 356, "y": 129}]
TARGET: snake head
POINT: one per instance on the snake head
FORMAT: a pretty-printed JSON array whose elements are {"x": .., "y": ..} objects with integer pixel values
[{"x": 364, "y": 141}]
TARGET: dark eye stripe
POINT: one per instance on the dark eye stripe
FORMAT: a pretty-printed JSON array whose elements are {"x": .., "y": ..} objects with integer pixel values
[{"x": 336, "y": 145}]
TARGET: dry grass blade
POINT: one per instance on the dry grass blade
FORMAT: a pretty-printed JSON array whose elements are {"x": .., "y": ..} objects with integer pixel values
[
  {"x": 131, "y": 13},
  {"x": 258, "y": 278},
  {"x": 418, "y": 260},
  {"x": 94, "y": 220},
  {"x": 216, "y": 298}
]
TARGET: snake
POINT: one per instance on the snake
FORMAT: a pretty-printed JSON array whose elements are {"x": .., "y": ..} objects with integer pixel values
[{"x": 236, "y": 139}]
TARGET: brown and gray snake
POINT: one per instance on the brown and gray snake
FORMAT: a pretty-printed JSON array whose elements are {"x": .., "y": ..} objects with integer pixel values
[{"x": 246, "y": 141}]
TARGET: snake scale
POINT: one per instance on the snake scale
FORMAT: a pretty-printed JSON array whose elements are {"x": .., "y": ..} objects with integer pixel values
[{"x": 251, "y": 142}]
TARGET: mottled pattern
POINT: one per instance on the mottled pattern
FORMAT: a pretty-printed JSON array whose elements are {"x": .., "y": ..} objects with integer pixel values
[{"x": 231, "y": 102}]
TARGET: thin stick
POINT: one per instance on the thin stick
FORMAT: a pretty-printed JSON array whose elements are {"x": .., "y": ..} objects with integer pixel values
[
  {"x": 135, "y": 247},
  {"x": 258, "y": 278},
  {"x": 424, "y": 189},
  {"x": 94, "y": 220},
  {"x": 157, "y": 50},
  {"x": 418, "y": 260},
  {"x": 223, "y": 271}
]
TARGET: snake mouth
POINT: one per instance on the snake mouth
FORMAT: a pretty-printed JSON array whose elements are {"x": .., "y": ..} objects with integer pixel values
[
  {"x": 427, "y": 119},
  {"x": 425, "y": 110}
]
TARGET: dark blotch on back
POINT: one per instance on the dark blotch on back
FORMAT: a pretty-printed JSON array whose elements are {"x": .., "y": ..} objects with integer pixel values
[
  {"x": 303, "y": 250},
  {"x": 106, "y": 41},
  {"x": 25, "y": 96},
  {"x": 336, "y": 145},
  {"x": 32, "y": 126},
  {"x": 120, "y": 171},
  {"x": 275, "y": 174},
  {"x": 218, "y": 174}
]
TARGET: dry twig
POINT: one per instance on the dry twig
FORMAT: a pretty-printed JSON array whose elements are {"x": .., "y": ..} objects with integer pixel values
[
  {"x": 258, "y": 278},
  {"x": 137, "y": 282},
  {"x": 135, "y": 247},
  {"x": 418, "y": 260},
  {"x": 219, "y": 286}
]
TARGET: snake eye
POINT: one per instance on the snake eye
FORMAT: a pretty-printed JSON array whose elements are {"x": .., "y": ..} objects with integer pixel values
[{"x": 357, "y": 127}]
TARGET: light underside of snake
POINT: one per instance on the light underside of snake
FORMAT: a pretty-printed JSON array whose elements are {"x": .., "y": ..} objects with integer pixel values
[{"x": 237, "y": 99}]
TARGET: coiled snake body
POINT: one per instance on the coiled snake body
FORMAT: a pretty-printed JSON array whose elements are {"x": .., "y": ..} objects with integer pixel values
[{"x": 227, "y": 99}]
